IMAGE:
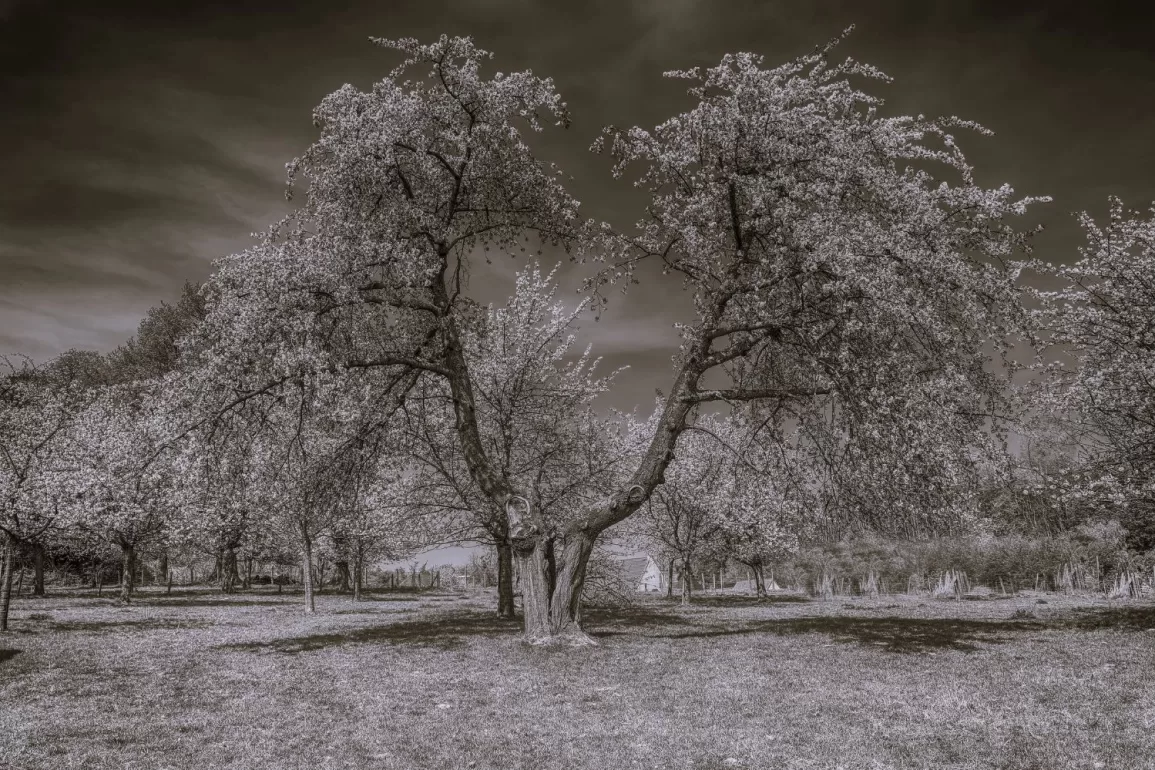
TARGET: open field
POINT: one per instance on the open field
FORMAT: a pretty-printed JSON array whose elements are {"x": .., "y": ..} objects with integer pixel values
[{"x": 197, "y": 679}]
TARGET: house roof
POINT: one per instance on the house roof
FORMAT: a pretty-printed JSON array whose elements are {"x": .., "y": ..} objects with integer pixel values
[{"x": 634, "y": 568}]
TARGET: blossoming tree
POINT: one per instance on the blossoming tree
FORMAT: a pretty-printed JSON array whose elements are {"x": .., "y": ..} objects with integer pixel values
[
  {"x": 825, "y": 263},
  {"x": 1103, "y": 324}
]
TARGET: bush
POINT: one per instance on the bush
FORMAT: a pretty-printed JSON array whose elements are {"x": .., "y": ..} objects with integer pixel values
[{"x": 1089, "y": 557}]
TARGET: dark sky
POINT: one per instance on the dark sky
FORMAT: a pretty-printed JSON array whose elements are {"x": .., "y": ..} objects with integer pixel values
[{"x": 138, "y": 141}]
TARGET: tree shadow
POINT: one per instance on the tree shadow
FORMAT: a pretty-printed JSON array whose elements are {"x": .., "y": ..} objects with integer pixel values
[
  {"x": 742, "y": 600},
  {"x": 446, "y": 632},
  {"x": 628, "y": 621},
  {"x": 7, "y": 655},
  {"x": 901, "y": 635},
  {"x": 225, "y": 600},
  {"x": 148, "y": 624},
  {"x": 1123, "y": 618}
]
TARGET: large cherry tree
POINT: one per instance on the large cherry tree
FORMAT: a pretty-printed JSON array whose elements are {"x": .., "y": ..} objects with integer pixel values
[{"x": 825, "y": 263}]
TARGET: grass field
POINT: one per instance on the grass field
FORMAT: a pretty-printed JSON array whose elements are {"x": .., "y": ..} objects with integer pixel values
[{"x": 197, "y": 679}]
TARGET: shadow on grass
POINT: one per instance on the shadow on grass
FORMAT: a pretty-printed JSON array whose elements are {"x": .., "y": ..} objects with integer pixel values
[
  {"x": 1122, "y": 618},
  {"x": 7, "y": 655},
  {"x": 742, "y": 600},
  {"x": 223, "y": 600},
  {"x": 445, "y": 632},
  {"x": 151, "y": 624},
  {"x": 628, "y": 621},
  {"x": 904, "y": 635}
]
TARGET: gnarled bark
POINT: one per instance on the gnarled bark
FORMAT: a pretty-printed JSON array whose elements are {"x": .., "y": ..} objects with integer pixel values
[{"x": 552, "y": 578}]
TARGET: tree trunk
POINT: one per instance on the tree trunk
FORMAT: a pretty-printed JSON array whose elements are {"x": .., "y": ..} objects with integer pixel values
[
  {"x": 38, "y": 570},
  {"x": 99, "y": 578},
  {"x": 247, "y": 580},
  {"x": 227, "y": 569},
  {"x": 670, "y": 581},
  {"x": 358, "y": 575},
  {"x": 127, "y": 572},
  {"x": 759, "y": 579},
  {"x": 551, "y": 588},
  {"x": 307, "y": 571},
  {"x": 343, "y": 576},
  {"x": 7, "y": 564},
  {"x": 162, "y": 570},
  {"x": 687, "y": 579},
  {"x": 505, "y": 607}
]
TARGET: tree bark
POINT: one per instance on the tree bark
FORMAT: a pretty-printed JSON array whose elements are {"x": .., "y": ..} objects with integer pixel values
[
  {"x": 670, "y": 581},
  {"x": 759, "y": 579},
  {"x": 128, "y": 572},
  {"x": 687, "y": 579},
  {"x": 227, "y": 569},
  {"x": 307, "y": 571},
  {"x": 38, "y": 570},
  {"x": 551, "y": 587},
  {"x": 757, "y": 570},
  {"x": 247, "y": 580},
  {"x": 343, "y": 576},
  {"x": 162, "y": 569},
  {"x": 358, "y": 575},
  {"x": 7, "y": 564},
  {"x": 505, "y": 607}
]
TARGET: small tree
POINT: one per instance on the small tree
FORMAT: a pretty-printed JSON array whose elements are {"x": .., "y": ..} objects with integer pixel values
[
  {"x": 1102, "y": 322},
  {"x": 125, "y": 479}
]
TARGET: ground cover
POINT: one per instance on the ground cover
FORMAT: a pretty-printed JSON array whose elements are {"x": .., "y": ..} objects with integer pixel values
[{"x": 198, "y": 679}]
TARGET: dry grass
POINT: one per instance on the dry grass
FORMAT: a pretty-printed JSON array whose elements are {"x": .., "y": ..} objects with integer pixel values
[{"x": 433, "y": 681}]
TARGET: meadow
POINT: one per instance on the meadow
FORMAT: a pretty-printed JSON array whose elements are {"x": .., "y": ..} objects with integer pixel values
[{"x": 433, "y": 680}]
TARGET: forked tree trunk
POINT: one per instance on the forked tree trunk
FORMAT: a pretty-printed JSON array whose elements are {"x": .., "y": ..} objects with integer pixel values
[
  {"x": 7, "y": 564},
  {"x": 227, "y": 569},
  {"x": 759, "y": 579},
  {"x": 505, "y": 607},
  {"x": 127, "y": 572},
  {"x": 38, "y": 570},
  {"x": 552, "y": 578},
  {"x": 757, "y": 570},
  {"x": 307, "y": 571}
]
